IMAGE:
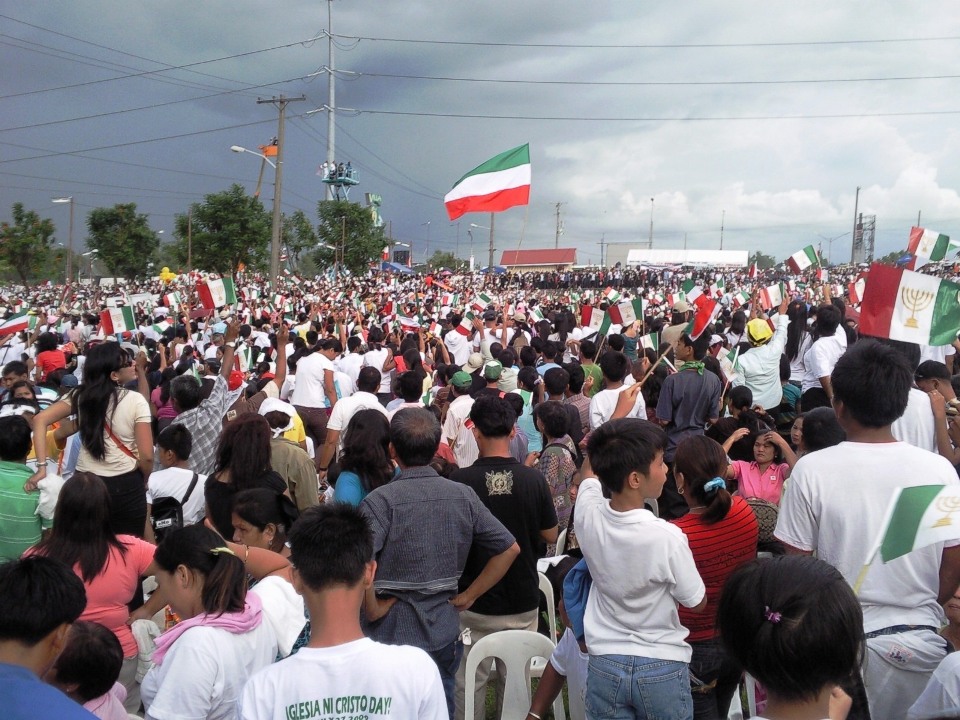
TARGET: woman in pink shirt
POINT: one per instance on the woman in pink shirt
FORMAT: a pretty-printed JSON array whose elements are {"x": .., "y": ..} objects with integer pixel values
[
  {"x": 763, "y": 477},
  {"x": 110, "y": 566}
]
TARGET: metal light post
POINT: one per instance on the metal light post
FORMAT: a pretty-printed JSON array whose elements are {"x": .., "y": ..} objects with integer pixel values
[
  {"x": 426, "y": 252},
  {"x": 275, "y": 229},
  {"x": 482, "y": 227},
  {"x": 69, "y": 273}
]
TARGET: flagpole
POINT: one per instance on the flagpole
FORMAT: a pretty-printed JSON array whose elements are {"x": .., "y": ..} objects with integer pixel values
[{"x": 653, "y": 367}]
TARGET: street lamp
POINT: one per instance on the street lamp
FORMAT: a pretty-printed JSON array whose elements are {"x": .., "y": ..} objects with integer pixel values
[
  {"x": 69, "y": 273},
  {"x": 275, "y": 234},
  {"x": 829, "y": 244},
  {"x": 426, "y": 253}
]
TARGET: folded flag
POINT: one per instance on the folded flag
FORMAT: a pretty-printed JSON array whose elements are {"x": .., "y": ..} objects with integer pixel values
[
  {"x": 754, "y": 271},
  {"x": 917, "y": 517},
  {"x": 706, "y": 310},
  {"x": 626, "y": 313},
  {"x": 217, "y": 293},
  {"x": 408, "y": 323},
  {"x": 160, "y": 327},
  {"x": 15, "y": 324},
  {"x": 802, "y": 259},
  {"x": 718, "y": 288},
  {"x": 498, "y": 184},
  {"x": 823, "y": 275},
  {"x": 535, "y": 314},
  {"x": 771, "y": 296},
  {"x": 740, "y": 299},
  {"x": 117, "y": 320},
  {"x": 595, "y": 319},
  {"x": 909, "y": 306},
  {"x": 675, "y": 297},
  {"x": 927, "y": 246}
]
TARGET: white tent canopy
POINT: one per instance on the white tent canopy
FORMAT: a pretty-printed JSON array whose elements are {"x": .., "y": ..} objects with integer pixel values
[{"x": 668, "y": 256}]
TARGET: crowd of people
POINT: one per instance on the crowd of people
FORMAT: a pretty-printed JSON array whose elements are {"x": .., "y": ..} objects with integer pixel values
[{"x": 314, "y": 501}]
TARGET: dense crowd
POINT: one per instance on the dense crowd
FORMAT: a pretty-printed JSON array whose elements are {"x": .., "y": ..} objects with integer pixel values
[{"x": 317, "y": 498}]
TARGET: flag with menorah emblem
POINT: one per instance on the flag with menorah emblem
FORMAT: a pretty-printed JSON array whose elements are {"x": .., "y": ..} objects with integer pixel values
[
  {"x": 920, "y": 516},
  {"x": 904, "y": 305}
]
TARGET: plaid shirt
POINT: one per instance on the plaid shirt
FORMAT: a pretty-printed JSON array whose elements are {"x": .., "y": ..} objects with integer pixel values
[
  {"x": 205, "y": 423},
  {"x": 582, "y": 403}
]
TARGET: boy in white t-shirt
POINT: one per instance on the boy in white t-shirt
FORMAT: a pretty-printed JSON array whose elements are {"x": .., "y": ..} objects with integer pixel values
[
  {"x": 341, "y": 673},
  {"x": 835, "y": 505},
  {"x": 641, "y": 568}
]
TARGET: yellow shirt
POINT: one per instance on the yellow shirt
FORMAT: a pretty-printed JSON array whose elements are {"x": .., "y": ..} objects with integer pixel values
[{"x": 296, "y": 434}]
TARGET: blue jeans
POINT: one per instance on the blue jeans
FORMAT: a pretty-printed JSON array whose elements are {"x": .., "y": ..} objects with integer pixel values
[
  {"x": 447, "y": 659},
  {"x": 714, "y": 677},
  {"x": 626, "y": 687}
]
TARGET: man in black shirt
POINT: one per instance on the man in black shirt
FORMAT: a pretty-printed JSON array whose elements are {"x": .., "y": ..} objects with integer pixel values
[{"x": 518, "y": 496}]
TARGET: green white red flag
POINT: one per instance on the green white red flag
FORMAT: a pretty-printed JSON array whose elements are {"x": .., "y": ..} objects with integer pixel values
[
  {"x": 466, "y": 324},
  {"x": 117, "y": 320},
  {"x": 498, "y": 184},
  {"x": 706, "y": 310},
  {"x": 651, "y": 341},
  {"x": 15, "y": 324},
  {"x": 913, "y": 307},
  {"x": 917, "y": 517},
  {"x": 595, "y": 319},
  {"x": 611, "y": 296},
  {"x": 771, "y": 296},
  {"x": 217, "y": 293},
  {"x": 856, "y": 289},
  {"x": 926, "y": 246},
  {"x": 802, "y": 259},
  {"x": 627, "y": 312}
]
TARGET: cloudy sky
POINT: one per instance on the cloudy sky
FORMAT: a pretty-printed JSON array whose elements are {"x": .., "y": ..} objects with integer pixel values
[{"x": 766, "y": 116}]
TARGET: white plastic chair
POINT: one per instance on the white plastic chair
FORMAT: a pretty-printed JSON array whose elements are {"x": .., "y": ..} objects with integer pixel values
[
  {"x": 561, "y": 542},
  {"x": 538, "y": 665},
  {"x": 514, "y": 650}
]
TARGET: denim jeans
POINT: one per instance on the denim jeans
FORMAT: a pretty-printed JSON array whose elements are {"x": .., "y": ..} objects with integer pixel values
[
  {"x": 447, "y": 659},
  {"x": 713, "y": 679},
  {"x": 625, "y": 686}
]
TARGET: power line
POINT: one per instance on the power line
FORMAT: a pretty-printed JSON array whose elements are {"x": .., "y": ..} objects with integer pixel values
[
  {"x": 154, "y": 72},
  {"x": 650, "y": 46},
  {"x": 828, "y": 116},
  {"x": 146, "y": 107},
  {"x": 136, "y": 142},
  {"x": 650, "y": 83}
]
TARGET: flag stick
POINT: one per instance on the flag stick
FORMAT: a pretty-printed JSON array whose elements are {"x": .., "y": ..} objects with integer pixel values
[{"x": 653, "y": 367}]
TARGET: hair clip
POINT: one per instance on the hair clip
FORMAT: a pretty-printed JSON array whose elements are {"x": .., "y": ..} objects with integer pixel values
[
  {"x": 222, "y": 550},
  {"x": 773, "y": 617},
  {"x": 715, "y": 484}
]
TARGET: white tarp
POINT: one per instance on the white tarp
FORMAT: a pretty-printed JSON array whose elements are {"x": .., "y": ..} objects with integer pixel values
[{"x": 673, "y": 256}]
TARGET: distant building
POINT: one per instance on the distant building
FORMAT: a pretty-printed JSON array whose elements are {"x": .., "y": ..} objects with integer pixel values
[
  {"x": 676, "y": 256},
  {"x": 539, "y": 260}
]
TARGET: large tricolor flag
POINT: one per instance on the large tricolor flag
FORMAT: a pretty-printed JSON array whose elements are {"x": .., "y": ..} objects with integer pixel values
[
  {"x": 706, "y": 311},
  {"x": 217, "y": 293},
  {"x": 909, "y": 306},
  {"x": 116, "y": 320},
  {"x": 917, "y": 517},
  {"x": 802, "y": 259},
  {"x": 926, "y": 246},
  {"x": 500, "y": 183}
]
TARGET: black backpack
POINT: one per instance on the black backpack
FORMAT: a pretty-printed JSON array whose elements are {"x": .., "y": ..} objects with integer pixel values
[{"x": 167, "y": 512}]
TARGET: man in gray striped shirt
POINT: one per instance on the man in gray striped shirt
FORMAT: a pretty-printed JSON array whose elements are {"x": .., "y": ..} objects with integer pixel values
[{"x": 423, "y": 527}]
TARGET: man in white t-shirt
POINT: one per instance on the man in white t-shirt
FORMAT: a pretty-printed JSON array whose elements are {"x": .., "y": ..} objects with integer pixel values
[
  {"x": 835, "y": 505},
  {"x": 364, "y": 398},
  {"x": 313, "y": 388},
  {"x": 455, "y": 433},
  {"x": 614, "y": 366},
  {"x": 174, "y": 444},
  {"x": 352, "y": 361},
  {"x": 459, "y": 345},
  {"x": 340, "y": 672},
  {"x": 377, "y": 357}
]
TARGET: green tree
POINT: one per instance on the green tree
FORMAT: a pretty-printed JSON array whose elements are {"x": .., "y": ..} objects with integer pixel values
[
  {"x": 892, "y": 257},
  {"x": 122, "y": 237},
  {"x": 25, "y": 245},
  {"x": 441, "y": 259},
  {"x": 350, "y": 226},
  {"x": 299, "y": 236},
  {"x": 228, "y": 228},
  {"x": 764, "y": 262}
]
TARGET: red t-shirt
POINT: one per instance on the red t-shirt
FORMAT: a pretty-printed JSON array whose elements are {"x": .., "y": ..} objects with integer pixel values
[
  {"x": 718, "y": 550},
  {"x": 49, "y": 361}
]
